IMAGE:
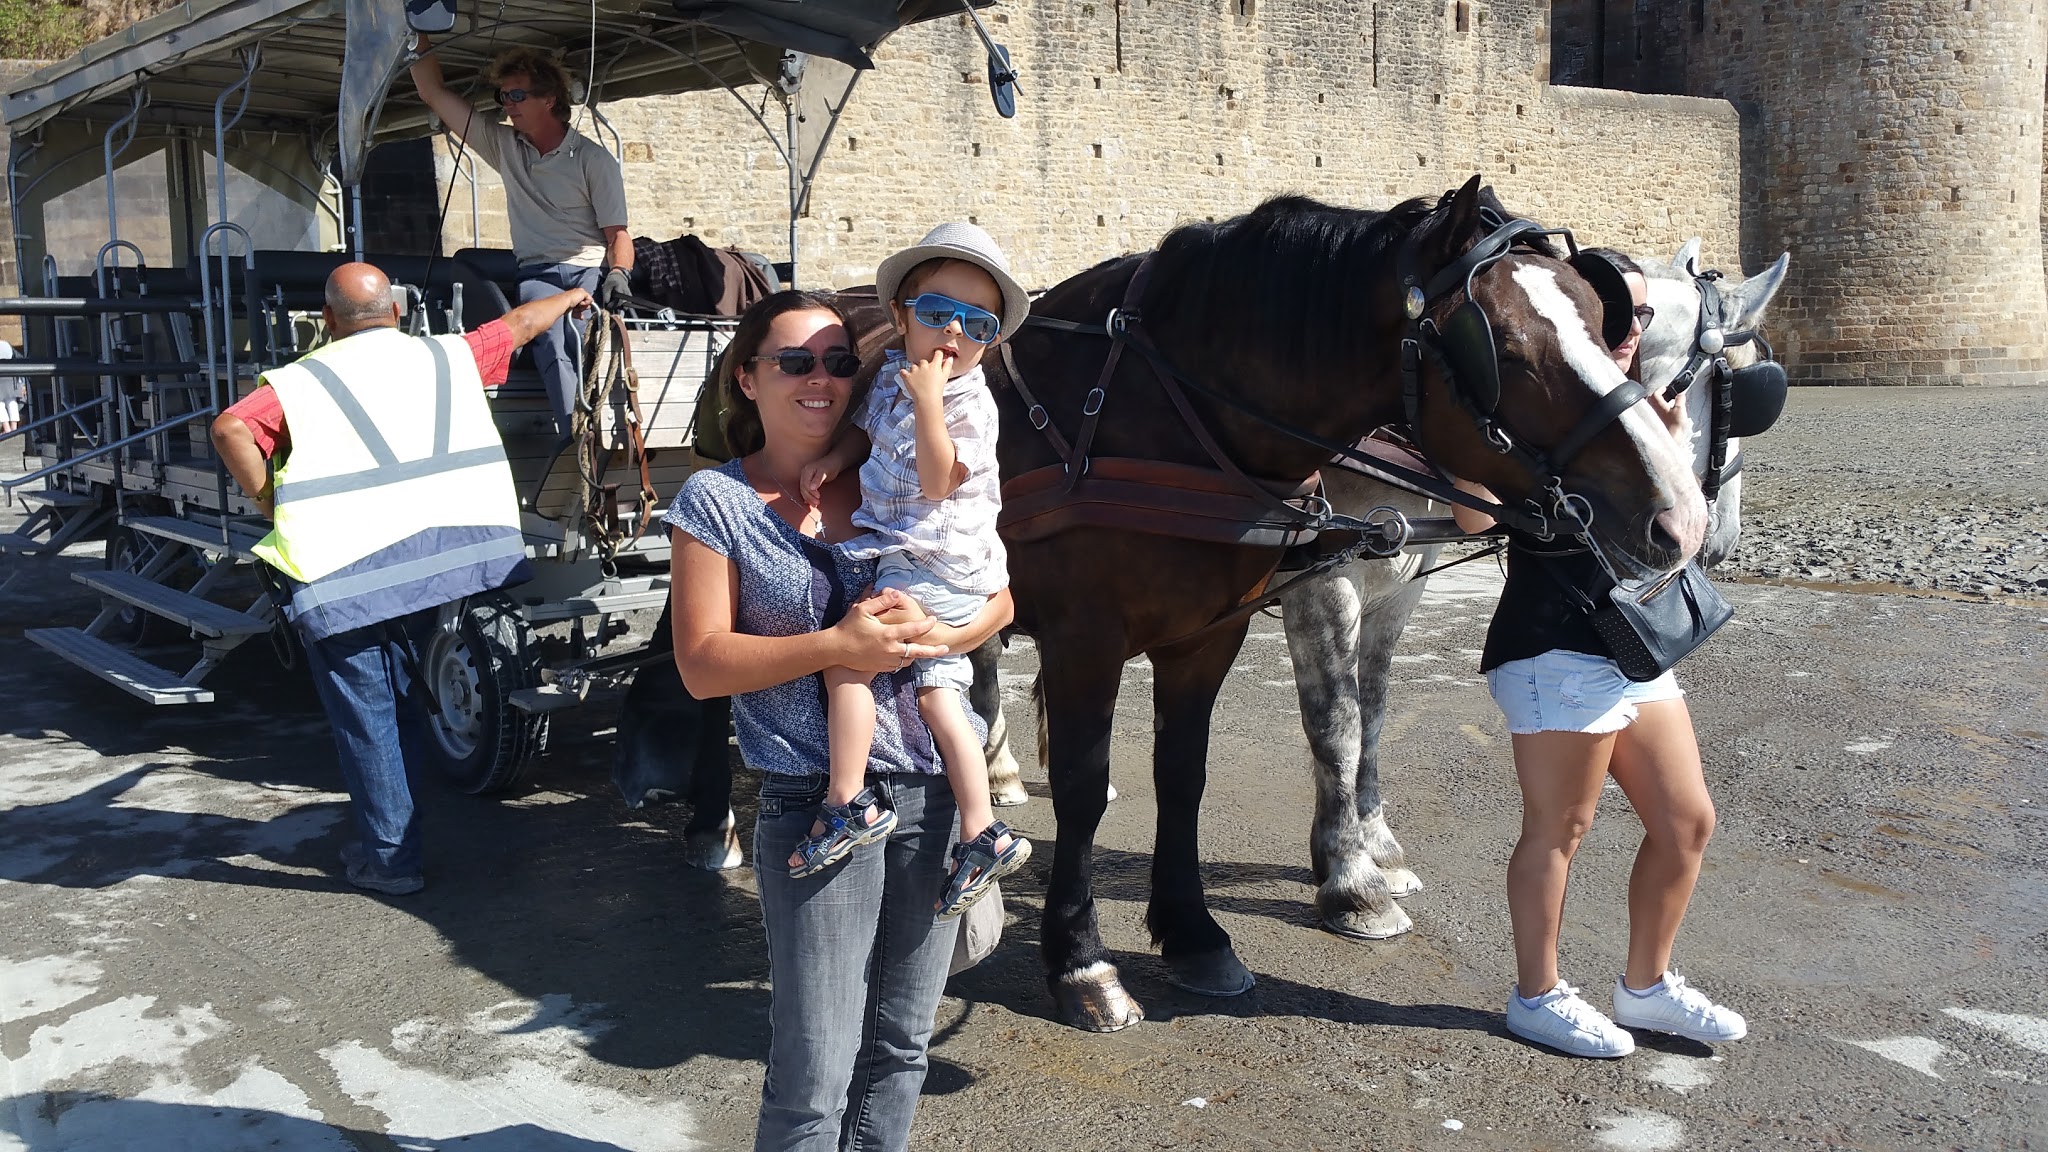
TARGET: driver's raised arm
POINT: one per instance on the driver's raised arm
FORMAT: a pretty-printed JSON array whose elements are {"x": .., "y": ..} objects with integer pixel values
[{"x": 452, "y": 109}]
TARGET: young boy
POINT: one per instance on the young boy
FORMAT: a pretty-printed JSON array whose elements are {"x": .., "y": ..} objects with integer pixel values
[{"x": 929, "y": 498}]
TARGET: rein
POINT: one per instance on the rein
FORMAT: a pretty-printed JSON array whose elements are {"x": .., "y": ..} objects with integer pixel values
[{"x": 608, "y": 366}]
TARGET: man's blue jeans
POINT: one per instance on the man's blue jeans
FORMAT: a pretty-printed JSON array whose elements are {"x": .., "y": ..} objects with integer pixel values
[
  {"x": 857, "y": 962},
  {"x": 558, "y": 351},
  {"x": 363, "y": 677}
]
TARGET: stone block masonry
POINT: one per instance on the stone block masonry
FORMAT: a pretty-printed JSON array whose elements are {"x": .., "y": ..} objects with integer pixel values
[
  {"x": 1138, "y": 115},
  {"x": 1895, "y": 149}
]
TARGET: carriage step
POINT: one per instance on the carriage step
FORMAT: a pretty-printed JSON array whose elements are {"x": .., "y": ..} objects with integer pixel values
[
  {"x": 48, "y": 534},
  {"x": 202, "y": 616},
  {"x": 242, "y": 538},
  {"x": 123, "y": 669},
  {"x": 58, "y": 497}
]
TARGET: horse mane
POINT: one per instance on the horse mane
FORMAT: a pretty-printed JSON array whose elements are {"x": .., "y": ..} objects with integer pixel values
[{"x": 1294, "y": 276}]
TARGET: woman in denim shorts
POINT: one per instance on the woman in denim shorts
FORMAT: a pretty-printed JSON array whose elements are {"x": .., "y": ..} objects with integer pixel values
[
  {"x": 1575, "y": 720},
  {"x": 764, "y": 602}
]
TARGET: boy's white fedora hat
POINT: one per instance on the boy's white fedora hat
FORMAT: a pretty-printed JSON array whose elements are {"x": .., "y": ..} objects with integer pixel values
[{"x": 958, "y": 241}]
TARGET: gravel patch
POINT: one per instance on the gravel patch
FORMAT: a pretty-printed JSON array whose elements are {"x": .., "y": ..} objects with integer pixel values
[{"x": 1924, "y": 489}]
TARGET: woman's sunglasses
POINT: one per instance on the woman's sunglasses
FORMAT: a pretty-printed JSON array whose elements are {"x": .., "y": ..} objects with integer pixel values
[
  {"x": 1644, "y": 314},
  {"x": 513, "y": 95},
  {"x": 935, "y": 311},
  {"x": 799, "y": 362}
]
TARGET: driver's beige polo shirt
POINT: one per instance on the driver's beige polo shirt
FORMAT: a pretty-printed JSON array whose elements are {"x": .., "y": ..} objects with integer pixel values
[{"x": 556, "y": 205}]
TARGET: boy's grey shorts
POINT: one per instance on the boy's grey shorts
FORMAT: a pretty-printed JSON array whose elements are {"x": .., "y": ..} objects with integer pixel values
[{"x": 949, "y": 604}]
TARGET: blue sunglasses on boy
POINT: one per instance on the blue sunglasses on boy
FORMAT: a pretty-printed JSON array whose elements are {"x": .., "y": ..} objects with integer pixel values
[{"x": 935, "y": 311}]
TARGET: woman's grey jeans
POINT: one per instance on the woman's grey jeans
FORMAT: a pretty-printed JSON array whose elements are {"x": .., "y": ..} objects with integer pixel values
[{"x": 857, "y": 964}]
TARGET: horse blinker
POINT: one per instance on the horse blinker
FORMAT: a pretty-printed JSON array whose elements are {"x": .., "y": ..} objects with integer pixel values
[
  {"x": 1759, "y": 393},
  {"x": 1468, "y": 346}
]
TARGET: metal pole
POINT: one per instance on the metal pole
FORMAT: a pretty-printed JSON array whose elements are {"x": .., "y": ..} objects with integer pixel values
[
  {"x": 251, "y": 57},
  {"x": 796, "y": 182},
  {"x": 17, "y": 153},
  {"x": 130, "y": 122},
  {"x": 355, "y": 220}
]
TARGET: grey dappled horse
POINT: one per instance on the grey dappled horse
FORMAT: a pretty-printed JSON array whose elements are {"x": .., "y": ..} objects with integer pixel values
[{"x": 1342, "y": 629}]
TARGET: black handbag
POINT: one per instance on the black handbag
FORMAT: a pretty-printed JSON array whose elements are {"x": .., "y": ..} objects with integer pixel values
[{"x": 1650, "y": 625}]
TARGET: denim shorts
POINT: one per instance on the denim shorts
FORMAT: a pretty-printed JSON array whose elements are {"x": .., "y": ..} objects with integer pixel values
[
  {"x": 1562, "y": 691},
  {"x": 947, "y": 603}
]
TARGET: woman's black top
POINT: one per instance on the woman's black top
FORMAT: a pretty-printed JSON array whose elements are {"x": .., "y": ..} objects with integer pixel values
[{"x": 1536, "y": 614}]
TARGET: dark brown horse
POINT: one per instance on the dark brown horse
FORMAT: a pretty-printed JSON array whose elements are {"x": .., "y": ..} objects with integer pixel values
[{"x": 1292, "y": 316}]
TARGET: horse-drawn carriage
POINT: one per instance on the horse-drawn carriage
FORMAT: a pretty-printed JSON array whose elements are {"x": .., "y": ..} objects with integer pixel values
[{"x": 179, "y": 193}]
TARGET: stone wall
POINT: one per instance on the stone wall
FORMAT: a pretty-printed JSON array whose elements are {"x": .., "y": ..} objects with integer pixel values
[
  {"x": 1896, "y": 152},
  {"x": 1137, "y": 115}
]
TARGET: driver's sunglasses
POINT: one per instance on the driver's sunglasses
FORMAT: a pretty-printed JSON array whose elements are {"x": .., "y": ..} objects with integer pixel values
[
  {"x": 799, "y": 362},
  {"x": 1644, "y": 314},
  {"x": 935, "y": 311},
  {"x": 513, "y": 95}
]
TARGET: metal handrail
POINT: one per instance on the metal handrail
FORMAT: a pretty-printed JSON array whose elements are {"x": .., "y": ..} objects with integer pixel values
[
  {"x": 27, "y": 428},
  {"x": 102, "y": 450},
  {"x": 220, "y": 358}
]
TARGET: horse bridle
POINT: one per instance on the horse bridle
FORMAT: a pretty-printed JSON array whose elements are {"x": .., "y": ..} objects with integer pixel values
[
  {"x": 1753, "y": 395},
  {"x": 1463, "y": 348}
]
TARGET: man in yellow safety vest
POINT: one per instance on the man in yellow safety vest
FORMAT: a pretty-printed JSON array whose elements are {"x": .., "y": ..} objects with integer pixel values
[{"x": 391, "y": 498}]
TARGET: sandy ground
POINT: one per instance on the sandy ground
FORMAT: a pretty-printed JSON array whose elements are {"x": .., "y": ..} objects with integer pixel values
[{"x": 180, "y": 969}]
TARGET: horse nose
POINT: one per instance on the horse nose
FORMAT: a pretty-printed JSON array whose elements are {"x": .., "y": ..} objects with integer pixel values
[{"x": 1677, "y": 531}]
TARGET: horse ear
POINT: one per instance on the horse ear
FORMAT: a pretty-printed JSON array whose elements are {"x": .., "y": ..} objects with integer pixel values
[
  {"x": 1746, "y": 301},
  {"x": 1688, "y": 257},
  {"x": 1460, "y": 220}
]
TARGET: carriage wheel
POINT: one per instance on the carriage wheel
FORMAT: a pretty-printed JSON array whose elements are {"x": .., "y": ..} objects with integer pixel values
[{"x": 482, "y": 653}]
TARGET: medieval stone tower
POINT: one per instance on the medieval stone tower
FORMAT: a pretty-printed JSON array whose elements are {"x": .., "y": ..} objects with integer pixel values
[{"x": 1893, "y": 146}]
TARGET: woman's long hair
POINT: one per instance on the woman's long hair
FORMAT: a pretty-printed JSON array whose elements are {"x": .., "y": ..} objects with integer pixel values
[{"x": 739, "y": 418}]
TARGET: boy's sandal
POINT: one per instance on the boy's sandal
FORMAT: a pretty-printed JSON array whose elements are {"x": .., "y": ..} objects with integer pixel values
[
  {"x": 846, "y": 827},
  {"x": 978, "y": 864}
]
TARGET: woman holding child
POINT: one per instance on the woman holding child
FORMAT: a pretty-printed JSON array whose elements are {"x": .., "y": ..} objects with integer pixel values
[{"x": 851, "y": 843}]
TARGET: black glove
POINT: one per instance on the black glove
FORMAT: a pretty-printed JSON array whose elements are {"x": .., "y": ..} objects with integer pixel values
[{"x": 617, "y": 290}]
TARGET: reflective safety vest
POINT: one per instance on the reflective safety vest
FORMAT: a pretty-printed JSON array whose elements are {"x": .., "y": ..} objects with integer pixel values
[{"x": 395, "y": 495}]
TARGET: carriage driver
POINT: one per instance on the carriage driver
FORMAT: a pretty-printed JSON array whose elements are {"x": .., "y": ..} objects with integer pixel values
[
  {"x": 565, "y": 201},
  {"x": 392, "y": 497}
]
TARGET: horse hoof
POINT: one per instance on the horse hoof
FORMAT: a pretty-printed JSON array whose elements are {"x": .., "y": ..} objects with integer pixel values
[
  {"x": 1369, "y": 925},
  {"x": 714, "y": 851},
  {"x": 1093, "y": 999},
  {"x": 1008, "y": 795},
  {"x": 1209, "y": 974},
  {"x": 1401, "y": 883}
]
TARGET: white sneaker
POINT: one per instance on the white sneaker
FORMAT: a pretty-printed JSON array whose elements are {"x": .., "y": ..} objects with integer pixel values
[
  {"x": 1561, "y": 1020},
  {"x": 1679, "y": 1009}
]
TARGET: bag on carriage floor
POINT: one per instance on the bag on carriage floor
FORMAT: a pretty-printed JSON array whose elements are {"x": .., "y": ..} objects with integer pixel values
[
  {"x": 1649, "y": 626},
  {"x": 981, "y": 929}
]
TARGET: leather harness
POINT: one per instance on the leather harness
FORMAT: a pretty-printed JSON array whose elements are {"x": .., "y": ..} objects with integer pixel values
[{"x": 1224, "y": 505}]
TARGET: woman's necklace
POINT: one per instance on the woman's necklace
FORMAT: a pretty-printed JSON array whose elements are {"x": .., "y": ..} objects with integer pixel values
[{"x": 810, "y": 522}]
